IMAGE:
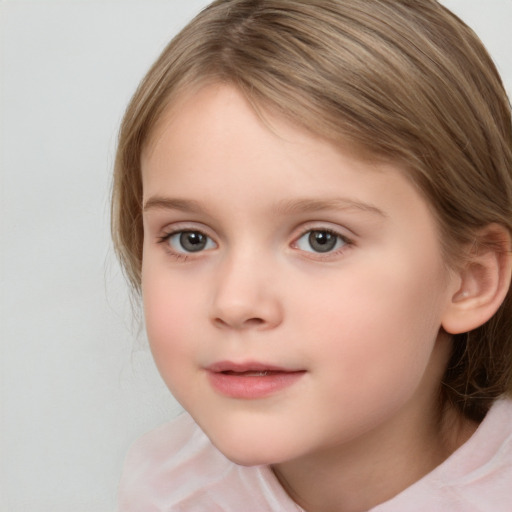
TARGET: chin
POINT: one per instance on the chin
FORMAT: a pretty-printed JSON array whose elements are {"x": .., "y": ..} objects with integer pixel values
[
  {"x": 245, "y": 451},
  {"x": 251, "y": 437}
]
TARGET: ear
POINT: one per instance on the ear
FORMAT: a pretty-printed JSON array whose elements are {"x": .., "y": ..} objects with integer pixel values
[{"x": 483, "y": 281}]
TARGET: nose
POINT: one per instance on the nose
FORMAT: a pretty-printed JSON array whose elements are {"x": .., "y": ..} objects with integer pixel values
[{"x": 245, "y": 296}]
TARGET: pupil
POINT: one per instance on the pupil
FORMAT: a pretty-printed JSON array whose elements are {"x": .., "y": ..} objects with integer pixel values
[
  {"x": 192, "y": 241},
  {"x": 322, "y": 241}
]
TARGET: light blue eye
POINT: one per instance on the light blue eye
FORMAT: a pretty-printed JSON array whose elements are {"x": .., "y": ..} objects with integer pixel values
[
  {"x": 320, "y": 240},
  {"x": 190, "y": 241}
]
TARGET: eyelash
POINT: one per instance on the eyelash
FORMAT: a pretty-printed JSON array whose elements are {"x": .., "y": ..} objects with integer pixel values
[
  {"x": 177, "y": 255},
  {"x": 347, "y": 242},
  {"x": 185, "y": 256}
]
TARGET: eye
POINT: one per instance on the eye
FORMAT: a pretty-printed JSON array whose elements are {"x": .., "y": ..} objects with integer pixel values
[
  {"x": 189, "y": 241},
  {"x": 320, "y": 241}
]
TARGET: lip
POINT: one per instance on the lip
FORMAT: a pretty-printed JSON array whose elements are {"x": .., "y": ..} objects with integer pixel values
[{"x": 250, "y": 380}]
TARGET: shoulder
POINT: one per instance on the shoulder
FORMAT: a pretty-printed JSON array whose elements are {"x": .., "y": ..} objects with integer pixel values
[
  {"x": 481, "y": 471},
  {"x": 176, "y": 468},
  {"x": 165, "y": 464},
  {"x": 476, "y": 478},
  {"x": 165, "y": 447}
]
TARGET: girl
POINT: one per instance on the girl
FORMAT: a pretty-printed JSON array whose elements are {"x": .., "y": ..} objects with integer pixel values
[{"x": 314, "y": 199}]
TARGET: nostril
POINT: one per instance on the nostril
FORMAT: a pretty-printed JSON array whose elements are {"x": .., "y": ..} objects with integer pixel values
[
  {"x": 219, "y": 322},
  {"x": 253, "y": 322},
  {"x": 248, "y": 323}
]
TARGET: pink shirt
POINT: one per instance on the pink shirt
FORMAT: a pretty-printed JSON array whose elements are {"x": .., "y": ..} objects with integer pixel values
[{"x": 176, "y": 468}]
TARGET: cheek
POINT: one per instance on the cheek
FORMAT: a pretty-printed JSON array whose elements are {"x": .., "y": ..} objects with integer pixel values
[
  {"x": 170, "y": 312},
  {"x": 374, "y": 324},
  {"x": 162, "y": 309}
]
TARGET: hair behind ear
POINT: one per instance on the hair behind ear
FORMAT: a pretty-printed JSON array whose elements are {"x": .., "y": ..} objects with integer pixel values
[{"x": 480, "y": 317}]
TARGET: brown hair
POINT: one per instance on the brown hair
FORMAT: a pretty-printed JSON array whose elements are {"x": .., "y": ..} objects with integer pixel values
[{"x": 403, "y": 80}]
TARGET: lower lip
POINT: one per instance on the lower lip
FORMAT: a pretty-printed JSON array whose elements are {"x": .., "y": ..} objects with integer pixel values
[{"x": 251, "y": 387}]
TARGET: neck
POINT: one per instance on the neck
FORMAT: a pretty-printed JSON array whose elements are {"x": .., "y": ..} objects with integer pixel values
[{"x": 358, "y": 476}]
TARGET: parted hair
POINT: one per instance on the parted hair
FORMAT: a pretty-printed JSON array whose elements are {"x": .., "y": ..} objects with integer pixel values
[{"x": 401, "y": 80}]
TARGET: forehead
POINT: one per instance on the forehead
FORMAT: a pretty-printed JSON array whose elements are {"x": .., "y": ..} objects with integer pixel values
[
  {"x": 213, "y": 147},
  {"x": 224, "y": 111},
  {"x": 205, "y": 97}
]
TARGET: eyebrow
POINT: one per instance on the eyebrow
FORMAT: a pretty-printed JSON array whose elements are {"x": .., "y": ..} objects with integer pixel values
[
  {"x": 170, "y": 203},
  {"x": 284, "y": 207},
  {"x": 312, "y": 205}
]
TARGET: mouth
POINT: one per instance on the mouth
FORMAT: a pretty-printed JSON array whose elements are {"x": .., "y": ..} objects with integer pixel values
[
  {"x": 250, "y": 380},
  {"x": 251, "y": 367},
  {"x": 249, "y": 373}
]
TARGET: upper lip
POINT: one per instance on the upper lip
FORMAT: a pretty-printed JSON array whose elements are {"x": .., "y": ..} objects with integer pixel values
[{"x": 249, "y": 366}]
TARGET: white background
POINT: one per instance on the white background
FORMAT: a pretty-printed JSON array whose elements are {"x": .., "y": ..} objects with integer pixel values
[{"x": 77, "y": 384}]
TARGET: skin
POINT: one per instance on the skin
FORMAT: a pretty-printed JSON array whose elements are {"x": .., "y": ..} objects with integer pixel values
[{"x": 362, "y": 321}]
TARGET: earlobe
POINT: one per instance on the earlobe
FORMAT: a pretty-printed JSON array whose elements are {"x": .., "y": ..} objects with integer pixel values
[{"x": 483, "y": 281}]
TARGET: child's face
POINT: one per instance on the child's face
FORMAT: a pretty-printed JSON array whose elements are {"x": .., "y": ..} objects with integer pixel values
[{"x": 273, "y": 250}]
